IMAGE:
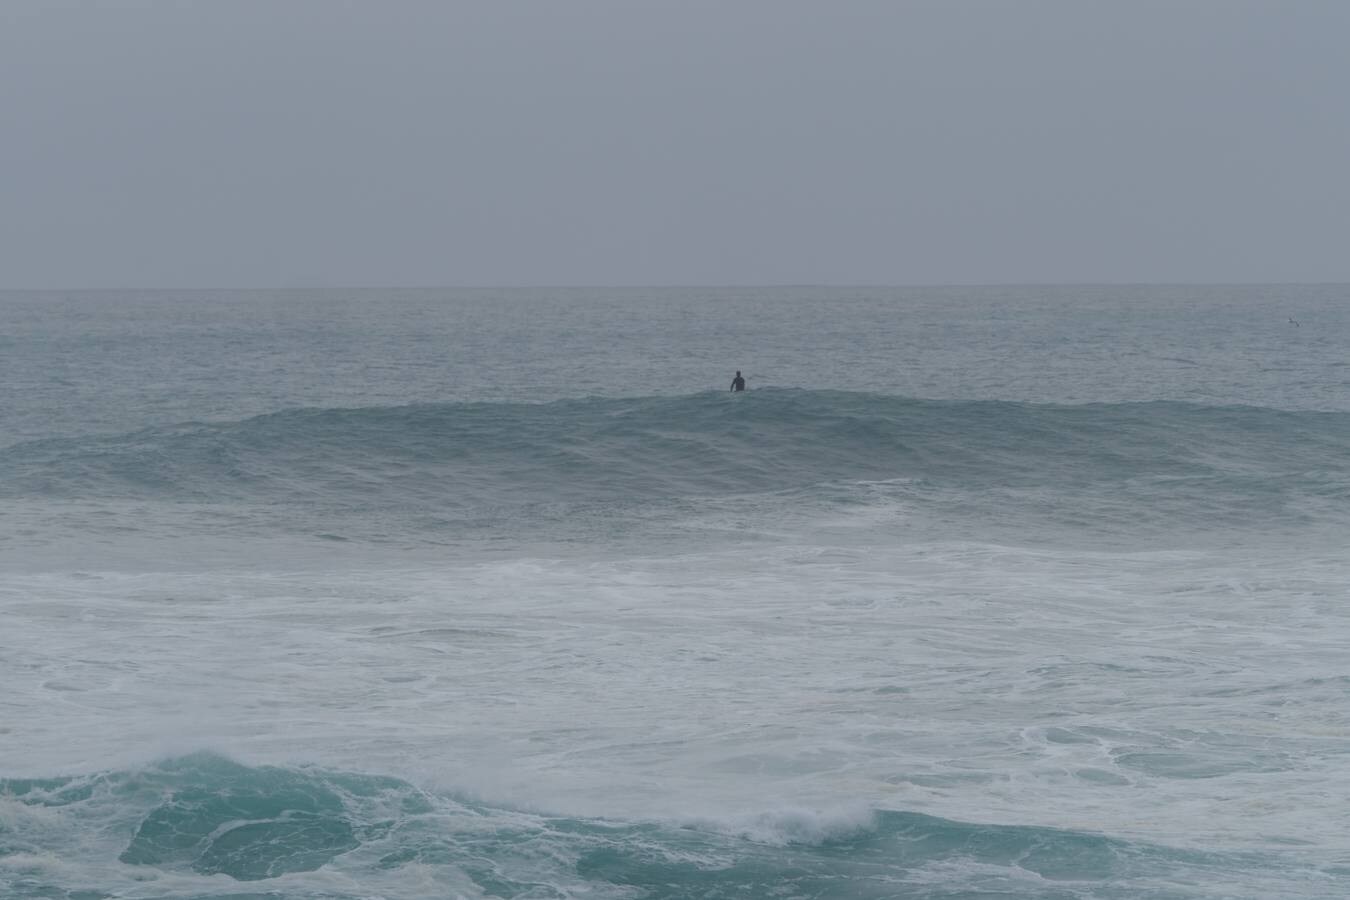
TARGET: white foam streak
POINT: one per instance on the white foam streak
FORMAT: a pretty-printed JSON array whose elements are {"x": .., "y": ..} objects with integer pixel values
[{"x": 1187, "y": 697}]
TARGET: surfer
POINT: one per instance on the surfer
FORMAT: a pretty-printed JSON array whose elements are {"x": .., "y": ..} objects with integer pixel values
[{"x": 738, "y": 383}]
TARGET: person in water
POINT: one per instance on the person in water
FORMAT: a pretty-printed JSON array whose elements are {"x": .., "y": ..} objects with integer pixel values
[{"x": 738, "y": 383}]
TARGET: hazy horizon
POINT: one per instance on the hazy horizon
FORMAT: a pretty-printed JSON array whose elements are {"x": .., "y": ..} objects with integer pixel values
[{"x": 244, "y": 288}]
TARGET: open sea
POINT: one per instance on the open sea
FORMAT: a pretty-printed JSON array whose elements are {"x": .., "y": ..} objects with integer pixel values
[{"x": 1014, "y": 593}]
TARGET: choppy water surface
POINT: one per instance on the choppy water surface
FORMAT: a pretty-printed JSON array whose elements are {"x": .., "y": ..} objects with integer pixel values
[{"x": 983, "y": 592}]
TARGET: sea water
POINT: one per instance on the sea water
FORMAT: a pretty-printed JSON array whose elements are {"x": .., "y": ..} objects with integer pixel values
[{"x": 976, "y": 593}]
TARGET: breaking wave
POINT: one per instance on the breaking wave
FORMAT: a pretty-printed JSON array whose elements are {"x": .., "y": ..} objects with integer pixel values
[{"x": 208, "y": 827}]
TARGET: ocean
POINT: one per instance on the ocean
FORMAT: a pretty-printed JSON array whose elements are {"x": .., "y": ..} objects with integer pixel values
[{"x": 983, "y": 592}]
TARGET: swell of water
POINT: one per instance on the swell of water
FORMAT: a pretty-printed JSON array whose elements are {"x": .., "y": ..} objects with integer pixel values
[
  {"x": 188, "y": 826},
  {"x": 462, "y": 470},
  {"x": 645, "y": 448}
]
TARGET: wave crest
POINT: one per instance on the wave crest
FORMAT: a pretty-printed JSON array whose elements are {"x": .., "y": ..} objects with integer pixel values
[
  {"x": 522, "y": 466},
  {"x": 303, "y": 829}
]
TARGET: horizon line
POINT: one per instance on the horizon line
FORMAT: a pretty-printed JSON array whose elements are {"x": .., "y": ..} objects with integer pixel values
[{"x": 679, "y": 286}]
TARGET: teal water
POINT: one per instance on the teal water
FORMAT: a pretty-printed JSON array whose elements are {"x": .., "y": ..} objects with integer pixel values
[
  {"x": 640, "y": 469},
  {"x": 202, "y": 817},
  {"x": 976, "y": 593}
]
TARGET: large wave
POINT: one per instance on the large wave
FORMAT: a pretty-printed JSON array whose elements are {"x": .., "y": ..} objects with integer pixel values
[
  {"x": 193, "y": 826},
  {"x": 1144, "y": 462}
]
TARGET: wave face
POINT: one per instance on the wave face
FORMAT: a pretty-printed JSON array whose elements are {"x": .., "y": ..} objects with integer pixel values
[
  {"x": 470, "y": 466},
  {"x": 206, "y": 827}
]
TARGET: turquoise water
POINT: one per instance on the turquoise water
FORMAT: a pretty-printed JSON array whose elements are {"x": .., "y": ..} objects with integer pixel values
[
  {"x": 205, "y": 816},
  {"x": 984, "y": 592}
]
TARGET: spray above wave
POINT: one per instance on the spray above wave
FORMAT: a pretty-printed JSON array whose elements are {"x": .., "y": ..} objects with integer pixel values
[
  {"x": 302, "y": 832},
  {"x": 477, "y": 462}
]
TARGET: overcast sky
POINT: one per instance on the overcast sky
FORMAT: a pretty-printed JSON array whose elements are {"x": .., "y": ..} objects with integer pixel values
[{"x": 486, "y": 142}]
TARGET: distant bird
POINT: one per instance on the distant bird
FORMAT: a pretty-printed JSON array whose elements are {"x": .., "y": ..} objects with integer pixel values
[{"x": 1293, "y": 321}]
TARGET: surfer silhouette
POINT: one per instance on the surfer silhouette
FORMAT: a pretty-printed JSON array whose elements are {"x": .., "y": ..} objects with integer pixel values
[{"x": 738, "y": 383}]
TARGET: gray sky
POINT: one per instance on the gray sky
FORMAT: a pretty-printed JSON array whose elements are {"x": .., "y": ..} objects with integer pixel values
[{"x": 478, "y": 142}]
